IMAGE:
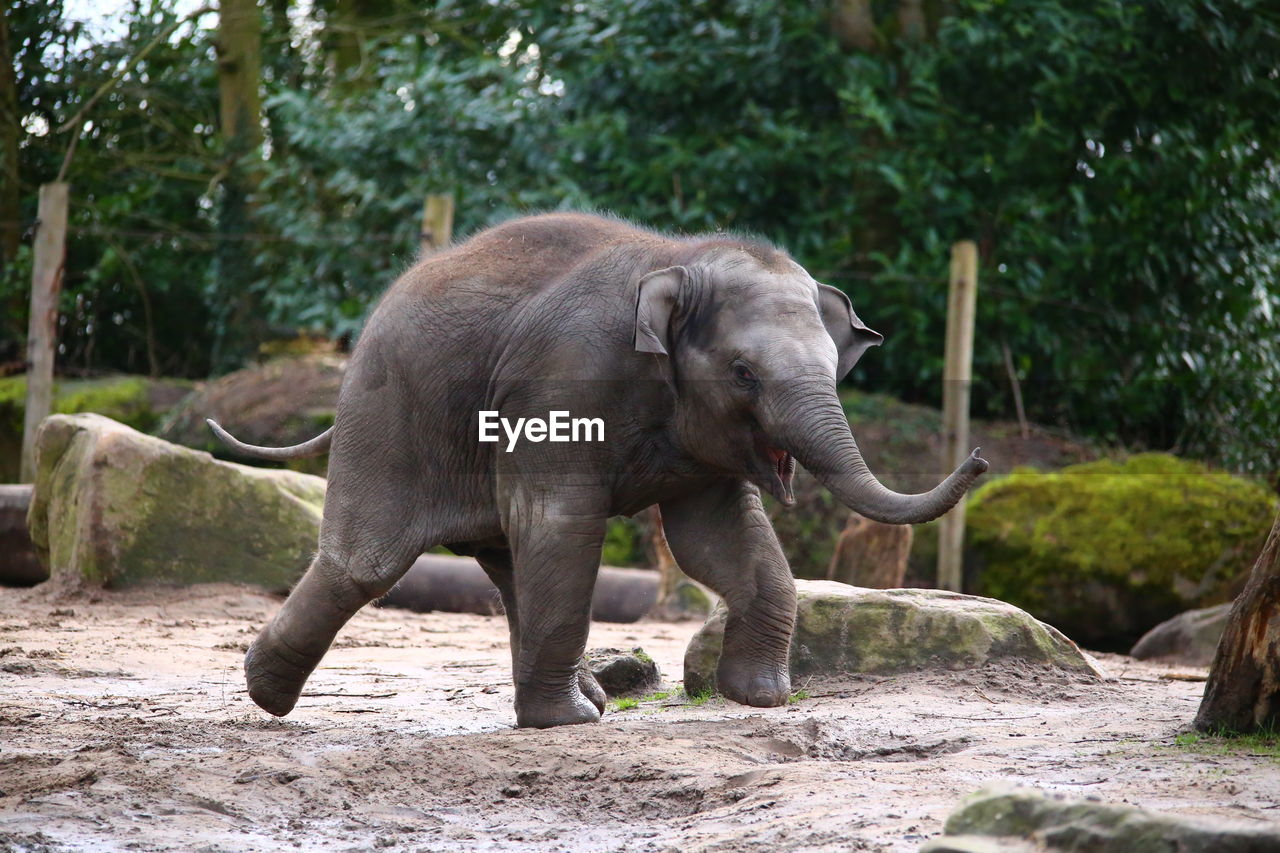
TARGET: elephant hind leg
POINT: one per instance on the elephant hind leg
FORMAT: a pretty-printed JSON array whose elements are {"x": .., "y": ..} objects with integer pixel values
[{"x": 339, "y": 582}]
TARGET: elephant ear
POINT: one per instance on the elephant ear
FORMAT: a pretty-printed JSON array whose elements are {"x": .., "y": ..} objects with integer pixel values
[
  {"x": 851, "y": 335},
  {"x": 655, "y": 301}
]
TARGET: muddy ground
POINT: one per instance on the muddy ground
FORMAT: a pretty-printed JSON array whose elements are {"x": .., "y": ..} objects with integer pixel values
[{"x": 124, "y": 725}]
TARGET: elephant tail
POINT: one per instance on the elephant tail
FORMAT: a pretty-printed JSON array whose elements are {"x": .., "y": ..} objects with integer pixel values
[{"x": 314, "y": 447}]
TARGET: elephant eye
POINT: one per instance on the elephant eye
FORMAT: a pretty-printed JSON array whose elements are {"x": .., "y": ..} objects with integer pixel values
[{"x": 744, "y": 373}]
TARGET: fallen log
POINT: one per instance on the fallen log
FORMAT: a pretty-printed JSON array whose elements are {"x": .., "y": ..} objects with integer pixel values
[
  {"x": 459, "y": 585},
  {"x": 19, "y": 565}
]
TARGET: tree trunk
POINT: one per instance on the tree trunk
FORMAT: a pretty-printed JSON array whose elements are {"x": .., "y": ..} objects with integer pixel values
[
  {"x": 351, "y": 28},
  {"x": 240, "y": 74},
  {"x": 239, "y": 51},
  {"x": 283, "y": 63},
  {"x": 871, "y": 554},
  {"x": 679, "y": 596},
  {"x": 1243, "y": 693},
  {"x": 853, "y": 25},
  {"x": 668, "y": 570},
  {"x": 912, "y": 26},
  {"x": 10, "y": 134}
]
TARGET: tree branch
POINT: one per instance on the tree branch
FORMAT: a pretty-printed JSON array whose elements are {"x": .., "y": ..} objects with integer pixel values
[{"x": 77, "y": 121}]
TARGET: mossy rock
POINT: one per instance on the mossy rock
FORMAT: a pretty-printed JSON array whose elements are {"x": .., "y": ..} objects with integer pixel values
[
  {"x": 1001, "y": 817},
  {"x": 137, "y": 401},
  {"x": 1106, "y": 550},
  {"x": 623, "y": 673},
  {"x": 114, "y": 507},
  {"x": 844, "y": 630}
]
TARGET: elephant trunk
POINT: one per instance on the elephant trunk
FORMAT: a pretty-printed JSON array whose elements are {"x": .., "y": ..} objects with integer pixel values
[{"x": 812, "y": 426}]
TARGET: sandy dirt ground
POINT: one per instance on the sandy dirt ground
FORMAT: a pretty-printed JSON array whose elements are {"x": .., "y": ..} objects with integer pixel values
[{"x": 124, "y": 725}]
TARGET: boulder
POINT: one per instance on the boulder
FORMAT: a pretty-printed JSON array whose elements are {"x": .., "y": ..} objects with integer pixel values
[
  {"x": 1010, "y": 820},
  {"x": 1189, "y": 638},
  {"x": 139, "y": 401},
  {"x": 622, "y": 673},
  {"x": 284, "y": 401},
  {"x": 1106, "y": 550},
  {"x": 846, "y": 630},
  {"x": 114, "y": 507}
]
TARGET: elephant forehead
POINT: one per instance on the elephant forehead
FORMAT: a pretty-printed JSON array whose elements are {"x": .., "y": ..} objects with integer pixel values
[{"x": 774, "y": 300}]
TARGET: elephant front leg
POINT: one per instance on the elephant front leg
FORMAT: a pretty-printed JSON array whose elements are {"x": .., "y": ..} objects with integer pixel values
[
  {"x": 556, "y": 554},
  {"x": 722, "y": 538}
]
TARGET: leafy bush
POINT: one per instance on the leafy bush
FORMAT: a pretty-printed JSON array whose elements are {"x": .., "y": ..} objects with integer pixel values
[
  {"x": 1108, "y": 549},
  {"x": 1114, "y": 161}
]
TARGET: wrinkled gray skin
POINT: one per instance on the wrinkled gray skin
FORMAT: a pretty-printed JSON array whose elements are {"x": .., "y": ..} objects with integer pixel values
[{"x": 713, "y": 363}]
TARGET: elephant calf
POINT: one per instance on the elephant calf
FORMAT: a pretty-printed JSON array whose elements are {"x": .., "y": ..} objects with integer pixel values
[{"x": 712, "y": 363}]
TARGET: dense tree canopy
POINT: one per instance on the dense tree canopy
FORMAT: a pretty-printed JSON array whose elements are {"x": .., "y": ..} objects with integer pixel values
[{"x": 1115, "y": 161}]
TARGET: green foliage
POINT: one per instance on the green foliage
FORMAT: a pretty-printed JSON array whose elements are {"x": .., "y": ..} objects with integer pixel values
[
  {"x": 1114, "y": 547},
  {"x": 623, "y": 545},
  {"x": 624, "y": 704},
  {"x": 1114, "y": 161},
  {"x": 141, "y": 179},
  {"x": 1125, "y": 204}
]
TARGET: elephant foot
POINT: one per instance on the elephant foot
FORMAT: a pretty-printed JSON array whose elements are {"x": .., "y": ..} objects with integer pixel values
[
  {"x": 760, "y": 687},
  {"x": 564, "y": 710},
  {"x": 591, "y": 688},
  {"x": 275, "y": 683}
]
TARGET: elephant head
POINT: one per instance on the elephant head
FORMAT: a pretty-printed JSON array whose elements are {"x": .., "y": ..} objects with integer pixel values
[{"x": 756, "y": 347}]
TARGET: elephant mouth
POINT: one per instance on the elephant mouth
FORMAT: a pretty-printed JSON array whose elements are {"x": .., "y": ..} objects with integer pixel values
[{"x": 779, "y": 467}]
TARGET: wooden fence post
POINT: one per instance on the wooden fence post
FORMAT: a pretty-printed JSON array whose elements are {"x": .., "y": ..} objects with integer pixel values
[
  {"x": 437, "y": 223},
  {"x": 42, "y": 328},
  {"x": 956, "y": 375}
]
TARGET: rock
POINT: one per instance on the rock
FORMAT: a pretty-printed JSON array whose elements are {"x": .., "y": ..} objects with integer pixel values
[
  {"x": 1105, "y": 551},
  {"x": 284, "y": 401},
  {"x": 138, "y": 401},
  {"x": 1022, "y": 819},
  {"x": 690, "y": 600},
  {"x": 845, "y": 630},
  {"x": 18, "y": 563},
  {"x": 624, "y": 673},
  {"x": 114, "y": 507},
  {"x": 459, "y": 585},
  {"x": 1189, "y": 638}
]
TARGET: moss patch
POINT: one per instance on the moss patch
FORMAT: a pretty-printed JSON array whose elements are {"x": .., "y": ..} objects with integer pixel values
[
  {"x": 135, "y": 401},
  {"x": 1265, "y": 744},
  {"x": 1108, "y": 549}
]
